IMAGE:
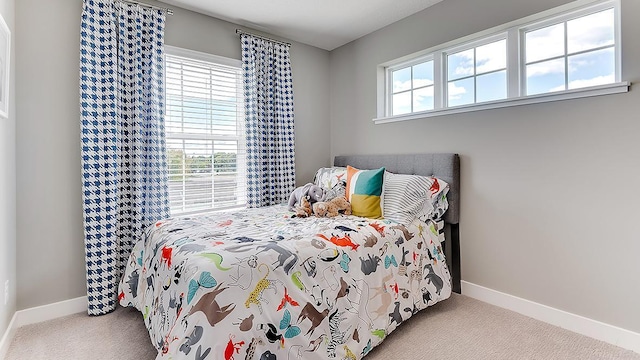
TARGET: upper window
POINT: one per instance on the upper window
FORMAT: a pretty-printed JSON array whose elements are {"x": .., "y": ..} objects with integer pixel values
[
  {"x": 567, "y": 48},
  {"x": 412, "y": 88},
  {"x": 205, "y": 132},
  {"x": 477, "y": 74},
  {"x": 571, "y": 54}
]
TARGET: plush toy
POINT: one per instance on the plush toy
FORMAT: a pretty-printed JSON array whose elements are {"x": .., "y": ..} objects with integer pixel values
[
  {"x": 332, "y": 207},
  {"x": 304, "y": 210},
  {"x": 314, "y": 192}
]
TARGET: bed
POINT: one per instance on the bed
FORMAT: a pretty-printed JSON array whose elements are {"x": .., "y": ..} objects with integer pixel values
[{"x": 262, "y": 284}]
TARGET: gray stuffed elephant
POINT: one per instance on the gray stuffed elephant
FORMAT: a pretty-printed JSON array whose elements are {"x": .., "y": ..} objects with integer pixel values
[{"x": 314, "y": 193}]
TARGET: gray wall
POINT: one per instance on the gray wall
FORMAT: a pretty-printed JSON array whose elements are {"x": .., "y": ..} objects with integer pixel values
[
  {"x": 50, "y": 248},
  {"x": 8, "y": 185},
  {"x": 550, "y": 198}
]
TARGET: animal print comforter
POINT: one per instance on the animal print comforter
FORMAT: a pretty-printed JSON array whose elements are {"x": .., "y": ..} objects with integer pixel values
[{"x": 261, "y": 284}]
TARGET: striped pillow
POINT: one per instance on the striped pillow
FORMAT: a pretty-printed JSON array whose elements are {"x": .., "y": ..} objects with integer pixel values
[
  {"x": 364, "y": 189},
  {"x": 407, "y": 197}
]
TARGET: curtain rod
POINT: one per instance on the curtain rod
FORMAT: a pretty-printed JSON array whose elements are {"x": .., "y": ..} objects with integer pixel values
[
  {"x": 167, "y": 10},
  {"x": 240, "y": 32}
]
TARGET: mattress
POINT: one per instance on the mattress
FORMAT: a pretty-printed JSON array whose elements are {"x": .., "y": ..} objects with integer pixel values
[{"x": 261, "y": 284}]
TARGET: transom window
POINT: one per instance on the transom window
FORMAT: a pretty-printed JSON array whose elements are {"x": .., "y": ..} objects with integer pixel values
[
  {"x": 571, "y": 54},
  {"x": 204, "y": 132},
  {"x": 477, "y": 74},
  {"x": 560, "y": 50}
]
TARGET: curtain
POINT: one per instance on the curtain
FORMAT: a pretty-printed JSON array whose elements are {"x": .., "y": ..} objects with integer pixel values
[
  {"x": 268, "y": 90},
  {"x": 124, "y": 171}
]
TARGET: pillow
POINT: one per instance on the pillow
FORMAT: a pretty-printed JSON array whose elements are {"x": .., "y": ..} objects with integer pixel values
[
  {"x": 327, "y": 178},
  {"x": 364, "y": 190},
  {"x": 407, "y": 197}
]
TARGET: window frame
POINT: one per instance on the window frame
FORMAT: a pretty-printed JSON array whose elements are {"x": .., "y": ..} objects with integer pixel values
[
  {"x": 514, "y": 32},
  {"x": 241, "y": 140},
  {"x": 404, "y": 65}
]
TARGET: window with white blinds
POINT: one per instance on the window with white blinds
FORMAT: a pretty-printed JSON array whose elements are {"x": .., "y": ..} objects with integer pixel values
[{"x": 205, "y": 135}]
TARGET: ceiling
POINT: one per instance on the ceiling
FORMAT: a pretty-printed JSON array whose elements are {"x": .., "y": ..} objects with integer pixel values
[{"x": 325, "y": 24}]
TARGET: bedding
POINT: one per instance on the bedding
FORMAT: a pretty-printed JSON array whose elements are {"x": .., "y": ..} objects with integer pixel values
[
  {"x": 261, "y": 284},
  {"x": 409, "y": 196},
  {"x": 364, "y": 191}
]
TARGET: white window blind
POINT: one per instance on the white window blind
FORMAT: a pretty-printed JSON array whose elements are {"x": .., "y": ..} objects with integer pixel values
[{"x": 205, "y": 134}]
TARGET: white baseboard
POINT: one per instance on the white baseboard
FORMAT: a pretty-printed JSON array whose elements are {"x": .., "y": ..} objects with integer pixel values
[
  {"x": 40, "y": 314},
  {"x": 595, "y": 329},
  {"x": 50, "y": 311},
  {"x": 8, "y": 337}
]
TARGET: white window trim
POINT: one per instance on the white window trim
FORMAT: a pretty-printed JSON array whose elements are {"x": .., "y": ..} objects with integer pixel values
[{"x": 514, "y": 31}]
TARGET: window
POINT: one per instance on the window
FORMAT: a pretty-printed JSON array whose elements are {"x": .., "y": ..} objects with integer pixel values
[
  {"x": 205, "y": 132},
  {"x": 568, "y": 52},
  {"x": 412, "y": 88},
  {"x": 477, "y": 74},
  {"x": 571, "y": 54}
]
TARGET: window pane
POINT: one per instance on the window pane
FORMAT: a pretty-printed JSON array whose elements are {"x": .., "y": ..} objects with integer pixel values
[
  {"x": 401, "y": 80},
  {"x": 402, "y": 103},
  {"x": 461, "y": 92},
  {"x": 592, "y": 68},
  {"x": 545, "y": 43},
  {"x": 423, "y": 74},
  {"x": 590, "y": 31},
  {"x": 491, "y": 57},
  {"x": 491, "y": 86},
  {"x": 545, "y": 77},
  {"x": 460, "y": 64},
  {"x": 423, "y": 99}
]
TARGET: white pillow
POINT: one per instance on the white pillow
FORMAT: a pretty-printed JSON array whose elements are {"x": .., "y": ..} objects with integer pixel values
[{"x": 407, "y": 197}]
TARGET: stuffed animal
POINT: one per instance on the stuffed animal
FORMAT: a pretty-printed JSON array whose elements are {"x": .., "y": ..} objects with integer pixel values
[
  {"x": 314, "y": 192},
  {"x": 332, "y": 207},
  {"x": 304, "y": 210}
]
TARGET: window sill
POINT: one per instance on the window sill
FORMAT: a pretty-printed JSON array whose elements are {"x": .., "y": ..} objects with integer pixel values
[{"x": 615, "y": 88}]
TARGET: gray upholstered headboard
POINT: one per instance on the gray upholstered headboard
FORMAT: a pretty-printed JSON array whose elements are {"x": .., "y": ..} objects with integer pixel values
[{"x": 443, "y": 166}]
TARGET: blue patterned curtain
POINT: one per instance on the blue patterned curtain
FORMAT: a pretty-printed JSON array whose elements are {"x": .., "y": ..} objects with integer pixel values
[
  {"x": 268, "y": 89},
  {"x": 124, "y": 172}
]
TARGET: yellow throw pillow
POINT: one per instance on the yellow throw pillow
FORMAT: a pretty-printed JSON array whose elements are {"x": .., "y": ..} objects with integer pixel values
[{"x": 364, "y": 189}]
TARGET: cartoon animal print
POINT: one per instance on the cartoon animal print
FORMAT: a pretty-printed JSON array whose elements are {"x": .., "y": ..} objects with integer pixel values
[
  {"x": 166, "y": 256},
  {"x": 246, "y": 324},
  {"x": 175, "y": 302},
  {"x": 356, "y": 336},
  {"x": 370, "y": 240},
  {"x": 310, "y": 267},
  {"x": 318, "y": 244},
  {"x": 210, "y": 307},
  {"x": 348, "y": 354},
  {"x": 243, "y": 272},
  {"x": 366, "y": 349},
  {"x": 311, "y": 313},
  {"x": 395, "y": 315},
  {"x": 433, "y": 278},
  {"x": 132, "y": 281},
  {"x": 255, "y": 297},
  {"x": 359, "y": 293},
  {"x": 217, "y": 260},
  {"x": 231, "y": 348},
  {"x": 426, "y": 295},
  {"x": 402, "y": 269},
  {"x": 337, "y": 337},
  {"x": 407, "y": 235},
  {"x": 328, "y": 255},
  {"x": 295, "y": 351},
  {"x": 329, "y": 276},
  {"x": 192, "y": 339},
  {"x": 315, "y": 344},
  {"x": 267, "y": 355},
  {"x": 344, "y": 241},
  {"x": 378, "y": 228},
  {"x": 200, "y": 355},
  {"x": 271, "y": 333},
  {"x": 251, "y": 349},
  {"x": 344, "y": 262},
  {"x": 286, "y": 259},
  {"x": 369, "y": 265},
  {"x": 191, "y": 248},
  {"x": 416, "y": 274},
  {"x": 383, "y": 294},
  {"x": 286, "y": 300},
  {"x": 344, "y": 289}
]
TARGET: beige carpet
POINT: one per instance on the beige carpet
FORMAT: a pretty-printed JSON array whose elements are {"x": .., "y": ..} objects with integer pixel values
[{"x": 458, "y": 328}]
